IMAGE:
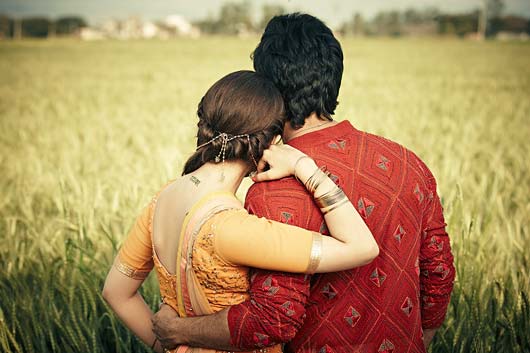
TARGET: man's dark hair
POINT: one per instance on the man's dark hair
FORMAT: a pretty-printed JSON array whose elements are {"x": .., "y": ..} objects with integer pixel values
[{"x": 299, "y": 53}]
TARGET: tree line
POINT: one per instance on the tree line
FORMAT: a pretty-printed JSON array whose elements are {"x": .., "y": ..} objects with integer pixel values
[
  {"x": 40, "y": 27},
  {"x": 236, "y": 18}
]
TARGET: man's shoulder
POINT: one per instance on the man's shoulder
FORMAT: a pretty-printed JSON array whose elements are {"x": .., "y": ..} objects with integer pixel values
[
  {"x": 274, "y": 189},
  {"x": 404, "y": 155}
]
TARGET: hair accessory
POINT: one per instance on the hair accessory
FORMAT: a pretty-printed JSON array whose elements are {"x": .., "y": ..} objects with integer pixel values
[{"x": 225, "y": 138}]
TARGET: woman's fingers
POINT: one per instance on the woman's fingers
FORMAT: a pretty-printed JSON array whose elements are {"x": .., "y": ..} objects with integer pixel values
[
  {"x": 281, "y": 159},
  {"x": 271, "y": 174}
]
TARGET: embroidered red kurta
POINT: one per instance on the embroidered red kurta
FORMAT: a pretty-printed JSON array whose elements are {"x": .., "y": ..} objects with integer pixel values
[{"x": 380, "y": 307}]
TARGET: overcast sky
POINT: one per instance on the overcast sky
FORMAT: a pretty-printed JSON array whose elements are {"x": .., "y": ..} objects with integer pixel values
[{"x": 333, "y": 12}]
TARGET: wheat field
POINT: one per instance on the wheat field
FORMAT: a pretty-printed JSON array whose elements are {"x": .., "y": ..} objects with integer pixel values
[{"x": 91, "y": 130}]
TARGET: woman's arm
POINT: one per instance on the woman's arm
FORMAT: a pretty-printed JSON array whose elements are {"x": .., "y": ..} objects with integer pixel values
[
  {"x": 131, "y": 266},
  {"x": 121, "y": 293},
  {"x": 250, "y": 241}
]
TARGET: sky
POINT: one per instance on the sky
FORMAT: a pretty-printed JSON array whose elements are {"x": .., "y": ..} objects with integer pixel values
[{"x": 333, "y": 12}]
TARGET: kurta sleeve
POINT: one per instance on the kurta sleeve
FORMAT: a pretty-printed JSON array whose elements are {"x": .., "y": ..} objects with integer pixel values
[
  {"x": 247, "y": 240},
  {"x": 436, "y": 264},
  {"x": 135, "y": 256}
]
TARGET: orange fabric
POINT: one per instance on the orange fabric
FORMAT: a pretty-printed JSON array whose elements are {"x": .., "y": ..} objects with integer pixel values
[
  {"x": 135, "y": 256},
  {"x": 243, "y": 239},
  {"x": 223, "y": 284}
]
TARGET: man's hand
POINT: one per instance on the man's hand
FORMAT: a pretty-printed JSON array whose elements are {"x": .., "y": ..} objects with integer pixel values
[
  {"x": 209, "y": 331},
  {"x": 165, "y": 327}
]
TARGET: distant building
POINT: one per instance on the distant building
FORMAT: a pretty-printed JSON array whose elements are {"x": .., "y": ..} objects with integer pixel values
[
  {"x": 87, "y": 33},
  {"x": 149, "y": 30},
  {"x": 136, "y": 28},
  {"x": 181, "y": 27}
]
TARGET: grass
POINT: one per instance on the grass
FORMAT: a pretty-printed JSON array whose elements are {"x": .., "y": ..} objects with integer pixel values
[{"x": 91, "y": 130}]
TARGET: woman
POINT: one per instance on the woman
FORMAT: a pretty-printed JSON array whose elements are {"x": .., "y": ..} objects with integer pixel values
[{"x": 199, "y": 237}]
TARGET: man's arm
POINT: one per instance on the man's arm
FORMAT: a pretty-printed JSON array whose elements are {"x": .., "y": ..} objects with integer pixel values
[
  {"x": 209, "y": 331},
  {"x": 437, "y": 271}
]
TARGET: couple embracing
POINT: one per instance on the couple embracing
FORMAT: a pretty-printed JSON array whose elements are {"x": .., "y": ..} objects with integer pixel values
[{"x": 340, "y": 246}]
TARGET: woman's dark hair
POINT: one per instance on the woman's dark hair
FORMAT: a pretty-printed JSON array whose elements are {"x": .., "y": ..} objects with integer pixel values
[
  {"x": 299, "y": 53},
  {"x": 240, "y": 103}
]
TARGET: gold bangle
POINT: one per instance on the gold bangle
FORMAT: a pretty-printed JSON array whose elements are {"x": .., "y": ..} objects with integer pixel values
[
  {"x": 331, "y": 197},
  {"x": 308, "y": 183},
  {"x": 314, "y": 181},
  {"x": 316, "y": 253},
  {"x": 296, "y": 164},
  {"x": 334, "y": 206}
]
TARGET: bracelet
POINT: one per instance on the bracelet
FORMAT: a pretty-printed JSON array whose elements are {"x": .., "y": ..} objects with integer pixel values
[
  {"x": 334, "y": 206},
  {"x": 314, "y": 181},
  {"x": 316, "y": 254},
  {"x": 296, "y": 164},
  {"x": 331, "y": 197}
]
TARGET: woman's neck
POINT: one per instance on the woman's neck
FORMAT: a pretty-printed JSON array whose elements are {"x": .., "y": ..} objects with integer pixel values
[{"x": 225, "y": 176}]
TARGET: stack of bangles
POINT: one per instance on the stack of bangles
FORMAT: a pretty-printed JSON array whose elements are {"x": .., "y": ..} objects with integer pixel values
[{"x": 330, "y": 200}]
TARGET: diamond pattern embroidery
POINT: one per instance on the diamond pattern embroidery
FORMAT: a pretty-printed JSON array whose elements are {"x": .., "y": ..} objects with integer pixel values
[
  {"x": 326, "y": 349},
  {"x": 383, "y": 163},
  {"x": 365, "y": 207},
  {"x": 418, "y": 193},
  {"x": 324, "y": 229},
  {"x": 335, "y": 178},
  {"x": 443, "y": 269},
  {"x": 436, "y": 243},
  {"x": 261, "y": 339},
  {"x": 270, "y": 285},
  {"x": 406, "y": 307},
  {"x": 378, "y": 277},
  {"x": 288, "y": 308},
  {"x": 328, "y": 291},
  {"x": 386, "y": 346},
  {"x": 337, "y": 144},
  {"x": 352, "y": 316},
  {"x": 399, "y": 233},
  {"x": 287, "y": 217}
]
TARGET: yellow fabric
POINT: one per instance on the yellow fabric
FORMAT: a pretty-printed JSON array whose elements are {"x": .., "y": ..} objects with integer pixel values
[
  {"x": 246, "y": 240},
  {"x": 225, "y": 245},
  {"x": 135, "y": 256},
  {"x": 223, "y": 284}
]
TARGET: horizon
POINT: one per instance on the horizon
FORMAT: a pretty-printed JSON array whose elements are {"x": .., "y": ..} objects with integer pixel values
[{"x": 334, "y": 12}]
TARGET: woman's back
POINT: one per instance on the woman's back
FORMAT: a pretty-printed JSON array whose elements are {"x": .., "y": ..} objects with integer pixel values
[{"x": 183, "y": 228}]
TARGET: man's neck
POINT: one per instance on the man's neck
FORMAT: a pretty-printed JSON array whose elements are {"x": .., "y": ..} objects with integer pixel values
[{"x": 311, "y": 124}]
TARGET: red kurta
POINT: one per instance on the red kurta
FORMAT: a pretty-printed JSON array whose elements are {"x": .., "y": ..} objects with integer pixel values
[{"x": 380, "y": 307}]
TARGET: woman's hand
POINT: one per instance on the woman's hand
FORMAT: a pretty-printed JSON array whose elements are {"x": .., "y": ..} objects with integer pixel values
[{"x": 282, "y": 160}]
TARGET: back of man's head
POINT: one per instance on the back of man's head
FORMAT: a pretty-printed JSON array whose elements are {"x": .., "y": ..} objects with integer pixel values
[{"x": 299, "y": 53}]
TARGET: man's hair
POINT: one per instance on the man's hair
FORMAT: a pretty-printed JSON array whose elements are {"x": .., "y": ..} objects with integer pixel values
[{"x": 299, "y": 53}]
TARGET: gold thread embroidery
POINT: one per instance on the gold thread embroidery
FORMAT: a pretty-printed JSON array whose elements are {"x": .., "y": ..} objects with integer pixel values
[
  {"x": 316, "y": 253},
  {"x": 130, "y": 271}
]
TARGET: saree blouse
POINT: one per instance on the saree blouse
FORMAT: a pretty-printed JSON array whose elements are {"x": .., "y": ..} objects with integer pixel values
[{"x": 225, "y": 240}]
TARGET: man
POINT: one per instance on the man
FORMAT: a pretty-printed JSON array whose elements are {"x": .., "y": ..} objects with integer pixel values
[{"x": 393, "y": 304}]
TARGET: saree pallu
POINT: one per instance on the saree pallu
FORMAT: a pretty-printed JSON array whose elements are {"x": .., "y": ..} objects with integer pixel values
[{"x": 191, "y": 299}]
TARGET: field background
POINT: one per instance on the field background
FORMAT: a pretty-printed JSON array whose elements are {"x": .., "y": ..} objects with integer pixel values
[{"x": 89, "y": 131}]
